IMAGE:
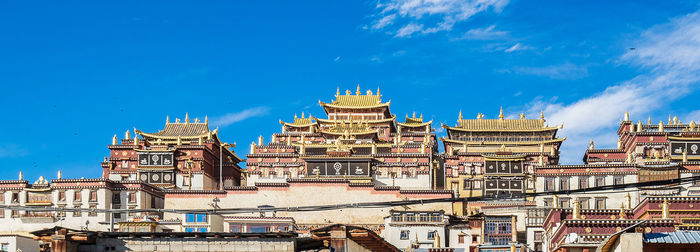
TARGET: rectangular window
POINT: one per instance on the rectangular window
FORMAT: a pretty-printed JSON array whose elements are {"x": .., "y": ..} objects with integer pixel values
[
  {"x": 423, "y": 218},
  {"x": 476, "y": 184},
  {"x": 583, "y": 203},
  {"x": 549, "y": 184},
  {"x": 77, "y": 196},
  {"x": 548, "y": 202},
  {"x": 467, "y": 184},
  {"x": 618, "y": 180},
  {"x": 582, "y": 182},
  {"x": 15, "y": 197},
  {"x": 235, "y": 227},
  {"x": 396, "y": 217},
  {"x": 460, "y": 239},
  {"x": 132, "y": 197},
  {"x": 404, "y": 234},
  {"x": 436, "y": 218},
  {"x": 431, "y": 235},
  {"x": 410, "y": 217},
  {"x": 93, "y": 196},
  {"x": 15, "y": 214},
  {"x": 116, "y": 198},
  {"x": 564, "y": 184},
  {"x": 2, "y": 197},
  {"x": 600, "y": 203},
  {"x": 5, "y": 247},
  {"x": 61, "y": 195},
  {"x": 599, "y": 181},
  {"x": 77, "y": 212},
  {"x": 202, "y": 229},
  {"x": 92, "y": 211},
  {"x": 201, "y": 218},
  {"x": 564, "y": 203},
  {"x": 190, "y": 230}
]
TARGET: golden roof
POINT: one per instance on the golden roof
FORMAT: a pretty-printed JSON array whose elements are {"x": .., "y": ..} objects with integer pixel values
[
  {"x": 358, "y": 100},
  {"x": 503, "y": 142},
  {"x": 300, "y": 122},
  {"x": 348, "y": 121},
  {"x": 350, "y": 129},
  {"x": 414, "y": 121},
  {"x": 185, "y": 129},
  {"x": 501, "y": 124}
]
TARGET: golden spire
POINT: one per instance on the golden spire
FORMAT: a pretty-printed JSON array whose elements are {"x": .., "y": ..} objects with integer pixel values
[
  {"x": 639, "y": 126},
  {"x": 628, "y": 200},
  {"x": 358, "y": 90},
  {"x": 127, "y": 134},
  {"x": 500, "y": 116},
  {"x": 114, "y": 139},
  {"x": 337, "y": 92},
  {"x": 59, "y": 174},
  {"x": 260, "y": 140},
  {"x": 627, "y": 116},
  {"x": 577, "y": 209},
  {"x": 649, "y": 122},
  {"x": 167, "y": 119},
  {"x": 378, "y": 94},
  {"x": 302, "y": 114},
  {"x": 206, "y": 120},
  {"x": 369, "y": 92},
  {"x": 669, "y": 119},
  {"x": 295, "y": 116},
  {"x": 460, "y": 115},
  {"x": 591, "y": 146},
  {"x": 136, "y": 140},
  {"x": 187, "y": 117},
  {"x": 541, "y": 115},
  {"x": 692, "y": 125},
  {"x": 414, "y": 114},
  {"x": 661, "y": 126},
  {"x": 622, "y": 214},
  {"x": 421, "y": 116}
]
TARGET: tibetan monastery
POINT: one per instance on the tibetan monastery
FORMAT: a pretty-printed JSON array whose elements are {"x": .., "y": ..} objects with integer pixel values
[
  {"x": 495, "y": 157},
  {"x": 184, "y": 155},
  {"x": 359, "y": 140}
]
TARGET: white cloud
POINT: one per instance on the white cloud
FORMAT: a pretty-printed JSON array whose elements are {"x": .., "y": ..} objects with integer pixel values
[
  {"x": 487, "y": 33},
  {"x": 232, "y": 118},
  {"x": 513, "y": 48},
  {"x": 670, "y": 54},
  {"x": 566, "y": 71},
  {"x": 336, "y": 59},
  {"x": 428, "y": 16}
]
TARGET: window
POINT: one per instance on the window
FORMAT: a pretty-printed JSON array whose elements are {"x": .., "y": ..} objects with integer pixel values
[
  {"x": 548, "y": 202},
  {"x": 202, "y": 229},
  {"x": 396, "y": 217},
  {"x": 410, "y": 217},
  {"x": 404, "y": 234},
  {"x": 235, "y": 227},
  {"x": 2, "y": 213},
  {"x": 600, "y": 203},
  {"x": 564, "y": 184},
  {"x": 116, "y": 198},
  {"x": 61, "y": 195},
  {"x": 582, "y": 182},
  {"x": 5, "y": 247},
  {"x": 436, "y": 217},
  {"x": 189, "y": 230},
  {"x": 15, "y": 197},
  {"x": 15, "y": 214},
  {"x": 564, "y": 203},
  {"x": 195, "y": 218},
  {"x": 467, "y": 184},
  {"x": 460, "y": 239},
  {"x": 539, "y": 235},
  {"x": 2, "y": 197},
  {"x": 132, "y": 197},
  {"x": 77, "y": 196},
  {"x": 476, "y": 184},
  {"x": 423, "y": 218},
  {"x": 618, "y": 180},
  {"x": 125, "y": 164},
  {"x": 93, "y": 196},
  {"x": 549, "y": 184},
  {"x": 475, "y": 239},
  {"x": 431, "y": 235},
  {"x": 583, "y": 203},
  {"x": 92, "y": 211},
  {"x": 599, "y": 181},
  {"x": 77, "y": 213}
]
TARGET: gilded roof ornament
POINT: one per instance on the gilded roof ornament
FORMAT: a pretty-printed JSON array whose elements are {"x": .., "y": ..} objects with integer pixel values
[
  {"x": 127, "y": 134},
  {"x": 302, "y": 114},
  {"x": 522, "y": 116},
  {"x": 500, "y": 115},
  {"x": 627, "y": 116},
  {"x": 114, "y": 139},
  {"x": 59, "y": 174},
  {"x": 460, "y": 115},
  {"x": 369, "y": 92},
  {"x": 187, "y": 118},
  {"x": 206, "y": 120},
  {"x": 692, "y": 125},
  {"x": 649, "y": 122},
  {"x": 347, "y": 92},
  {"x": 542, "y": 116},
  {"x": 337, "y": 92},
  {"x": 21, "y": 175},
  {"x": 378, "y": 94},
  {"x": 661, "y": 126},
  {"x": 358, "y": 92},
  {"x": 639, "y": 126},
  {"x": 675, "y": 120},
  {"x": 167, "y": 119},
  {"x": 591, "y": 145}
]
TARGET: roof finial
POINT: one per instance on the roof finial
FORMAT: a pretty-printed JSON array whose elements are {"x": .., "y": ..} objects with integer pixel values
[
  {"x": 21, "y": 175},
  {"x": 378, "y": 94},
  {"x": 542, "y": 115},
  {"x": 167, "y": 119},
  {"x": 639, "y": 126},
  {"x": 59, "y": 174},
  {"x": 295, "y": 116},
  {"x": 114, "y": 139},
  {"x": 127, "y": 134},
  {"x": 591, "y": 146},
  {"x": 675, "y": 120},
  {"x": 421, "y": 116},
  {"x": 500, "y": 116},
  {"x": 661, "y": 126},
  {"x": 627, "y": 116},
  {"x": 206, "y": 120},
  {"x": 302, "y": 114},
  {"x": 460, "y": 115},
  {"x": 522, "y": 116},
  {"x": 337, "y": 92},
  {"x": 414, "y": 114},
  {"x": 358, "y": 89},
  {"x": 649, "y": 122},
  {"x": 669, "y": 119},
  {"x": 187, "y": 117}
]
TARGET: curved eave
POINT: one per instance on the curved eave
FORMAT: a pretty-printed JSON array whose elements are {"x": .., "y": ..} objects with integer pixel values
[
  {"x": 501, "y": 130},
  {"x": 378, "y": 105},
  {"x": 558, "y": 140},
  {"x": 349, "y": 133},
  {"x": 297, "y": 125},
  {"x": 151, "y": 135},
  {"x": 415, "y": 124},
  {"x": 391, "y": 119}
]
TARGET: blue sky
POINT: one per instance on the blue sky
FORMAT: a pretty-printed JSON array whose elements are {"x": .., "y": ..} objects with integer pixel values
[{"x": 74, "y": 74}]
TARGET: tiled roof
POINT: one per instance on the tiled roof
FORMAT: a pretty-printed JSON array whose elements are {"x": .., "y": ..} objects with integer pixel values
[
  {"x": 519, "y": 124},
  {"x": 357, "y": 100},
  {"x": 684, "y": 237},
  {"x": 183, "y": 129}
]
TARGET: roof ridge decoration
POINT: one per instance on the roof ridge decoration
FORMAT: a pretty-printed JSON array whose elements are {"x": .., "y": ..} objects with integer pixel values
[
  {"x": 503, "y": 124},
  {"x": 186, "y": 129},
  {"x": 348, "y": 100}
]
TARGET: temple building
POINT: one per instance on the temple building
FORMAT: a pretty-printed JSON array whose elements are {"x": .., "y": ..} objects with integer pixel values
[
  {"x": 496, "y": 157},
  {"x": 184, "y": 155},
  {"x": 359, "y": 140}
]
